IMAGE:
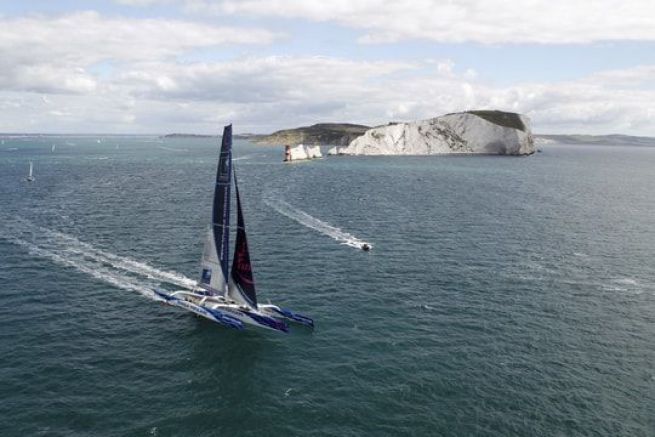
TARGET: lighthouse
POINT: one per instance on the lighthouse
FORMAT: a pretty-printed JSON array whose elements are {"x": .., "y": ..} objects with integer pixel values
[{"x": 287, "y": 153}]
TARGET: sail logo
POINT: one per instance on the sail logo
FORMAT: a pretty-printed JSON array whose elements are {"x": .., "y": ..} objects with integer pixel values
[
  {"x": 206, "y": 276},
  {"x": 242, "y": 265}
]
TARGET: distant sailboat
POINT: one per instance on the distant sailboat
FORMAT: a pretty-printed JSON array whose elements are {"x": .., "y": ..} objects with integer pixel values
[
  {"x": 229, "y": 298},
  {"x": 30, "y": 177},
  {"x": 54, "y": 146}
]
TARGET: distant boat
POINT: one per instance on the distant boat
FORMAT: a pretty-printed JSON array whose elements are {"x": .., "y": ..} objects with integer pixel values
[
  {"x": 229, "y": 300},
  {"x": 30, "y": 177},
  {"x": 52, "y": 149}
]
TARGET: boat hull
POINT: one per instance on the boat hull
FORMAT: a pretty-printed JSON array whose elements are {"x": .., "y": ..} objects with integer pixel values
[
  {"x": 222, "y": 311},
  {"x": 208, "y": 313},
  {"x": 287, "y": 314}
]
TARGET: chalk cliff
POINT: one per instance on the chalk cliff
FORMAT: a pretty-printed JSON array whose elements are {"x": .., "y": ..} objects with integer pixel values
[
  {"x": 301, "y": 152},
  {"x": 485, "y": 132}
]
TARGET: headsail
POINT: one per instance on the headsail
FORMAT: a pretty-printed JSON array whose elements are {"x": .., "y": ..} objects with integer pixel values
[
  {"x": 241, "y": 287},
  {"x": 213, "y": 275},
  {"x": 30, "y": 177}
]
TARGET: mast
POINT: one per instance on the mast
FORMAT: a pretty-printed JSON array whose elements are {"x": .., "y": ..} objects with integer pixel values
[
  {"x": 213, "y": 277},
  {"x": 241, "y": 287}
]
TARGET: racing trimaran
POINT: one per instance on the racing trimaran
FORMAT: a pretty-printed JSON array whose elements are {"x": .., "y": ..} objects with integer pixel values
[{"x": 229, "y": 300}]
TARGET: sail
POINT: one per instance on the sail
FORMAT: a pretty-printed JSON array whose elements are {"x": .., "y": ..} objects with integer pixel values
[
  {"x": 31, "y": 168},
  {"x": 213, "y": 275},
  {"x": 242, "y": 284}
]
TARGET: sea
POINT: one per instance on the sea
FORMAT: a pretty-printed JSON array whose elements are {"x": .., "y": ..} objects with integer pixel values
[{"x": 502, "y": 296}]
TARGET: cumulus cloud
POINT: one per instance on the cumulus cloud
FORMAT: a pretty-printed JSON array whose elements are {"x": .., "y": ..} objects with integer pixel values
[
  {"x": 259, "y": 80},
  {"x": 46, "y": 54},
  {"x": 269, "y": 93},
  {"x": 139, "y": 2},
  {"x": 55, "y": 72},
  {"x": 481, "y": 21}
]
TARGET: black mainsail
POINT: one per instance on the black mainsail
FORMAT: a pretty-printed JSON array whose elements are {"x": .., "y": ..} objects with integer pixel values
[
  {"x": 215, "y": 256},
  {"x": 242, "y": 284}
]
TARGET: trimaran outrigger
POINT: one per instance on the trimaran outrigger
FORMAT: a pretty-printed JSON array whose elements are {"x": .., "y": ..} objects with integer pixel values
[{"x": 229, "y": 300}]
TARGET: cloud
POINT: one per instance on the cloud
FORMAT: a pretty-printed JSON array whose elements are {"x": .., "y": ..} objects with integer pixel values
[
  {"x": 261, "y": 80},
  {"x": 262, "y": 94},
  {"x": 480, "y": 21},
  {"x": 637, "y": 77},
  {"x": 45, "y": 54},
  {"x": 55, "y": 72},
  {"x": 140, "y": 3}
]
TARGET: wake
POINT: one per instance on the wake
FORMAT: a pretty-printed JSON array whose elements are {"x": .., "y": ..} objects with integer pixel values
[
  {"x": 66, "y": 250},
  {"x": 311, "y": 222},
  {"x": 242, "y": 158}
]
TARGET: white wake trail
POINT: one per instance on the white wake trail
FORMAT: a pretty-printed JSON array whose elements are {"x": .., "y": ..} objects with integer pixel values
[
  {"x": 311, "y": 222},
  {"x": 95, "y": 270},
  {"x": 242, "y": 158},
  {"x": 72, "y": 244},
  {"x": 64, "y": 249}
]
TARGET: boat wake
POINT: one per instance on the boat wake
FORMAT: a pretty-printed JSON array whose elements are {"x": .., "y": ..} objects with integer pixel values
[
  {"x": 172, "y": 149},
  {"x": 311, "y": 222},
  {"x": 242, "y": 158},
  {"x": 64, "y": 249}
]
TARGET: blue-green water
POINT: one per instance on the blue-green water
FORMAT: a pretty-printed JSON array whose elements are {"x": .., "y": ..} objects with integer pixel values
[{"x": 503, "y": 296}]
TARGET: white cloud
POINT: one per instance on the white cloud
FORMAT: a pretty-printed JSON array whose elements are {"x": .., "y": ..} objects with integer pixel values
[
  {"x": 55, "y": 72},
  {"x": 45, "y": 54},
  {"x": 263, "y": 80},
  {"x": 139, "y": 3},
  {"x": 482, "y": 21},
  {"x": 264, "y": 94},
  {"x": 636, "y": 77}
]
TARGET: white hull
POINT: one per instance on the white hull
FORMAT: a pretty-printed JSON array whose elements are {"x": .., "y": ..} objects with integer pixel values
[
  {"x": 214, "y": 307},
  {"x": 214, "y": 316}
]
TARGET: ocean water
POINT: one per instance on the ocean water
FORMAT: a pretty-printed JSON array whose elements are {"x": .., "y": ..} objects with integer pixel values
[{"x": 503, "y": 296}]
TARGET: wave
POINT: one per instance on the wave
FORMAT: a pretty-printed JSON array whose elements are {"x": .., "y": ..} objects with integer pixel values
[
  {"x": 172, "y": 149},
  {"x": 628, "y": 285},
  {"x": 242, "y": 158},
  {"x": 311, "y": 222},
  {"x": 626, "y": 281},
  {"x": 93, "y": 269},
  {"x": 121, "y": 271}
]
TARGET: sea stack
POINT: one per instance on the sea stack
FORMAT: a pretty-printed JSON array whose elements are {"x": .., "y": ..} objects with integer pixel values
[
  {"x": 336, "y": 150},
  {"x": 472, "y": 132},
  {"x": 301, "y": 152}
]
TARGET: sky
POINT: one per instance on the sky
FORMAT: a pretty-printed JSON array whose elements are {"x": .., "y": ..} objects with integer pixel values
[{"x": 192, "y": 66}]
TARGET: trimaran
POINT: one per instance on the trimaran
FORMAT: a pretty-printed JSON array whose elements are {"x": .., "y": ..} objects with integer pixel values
[{"x": 229, "y": 300}]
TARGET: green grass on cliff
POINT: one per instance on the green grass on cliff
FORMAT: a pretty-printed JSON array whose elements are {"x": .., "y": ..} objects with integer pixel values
[
  {"x": 322, "y": 133},
  {"x": 507, "y": 119}
]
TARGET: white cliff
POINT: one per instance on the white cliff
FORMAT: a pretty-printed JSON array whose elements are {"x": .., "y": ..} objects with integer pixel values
[
  {"x": 301, "y": 152},
  {"x": 336, "y": 150},
  {"x": 313, "y": 152},
  {"x": 485, "y": 132}
]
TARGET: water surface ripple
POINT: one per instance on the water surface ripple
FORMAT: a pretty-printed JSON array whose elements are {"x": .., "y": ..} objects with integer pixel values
[{"x": 504, "y": 296}]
